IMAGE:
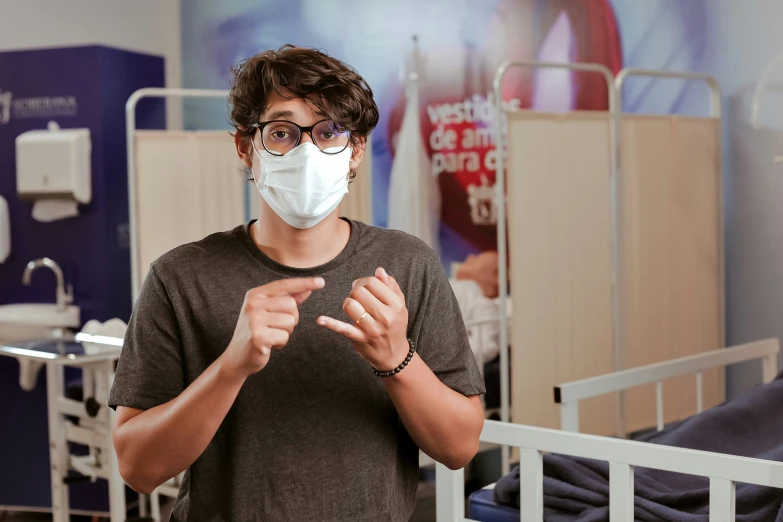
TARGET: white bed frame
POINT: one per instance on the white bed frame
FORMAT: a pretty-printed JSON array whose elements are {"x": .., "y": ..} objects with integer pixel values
[
  {"x": 722, "y": 470},
  {"x": 568, "y": 395}
]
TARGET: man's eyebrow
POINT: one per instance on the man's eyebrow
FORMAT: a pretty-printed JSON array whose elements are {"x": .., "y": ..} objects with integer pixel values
[{"x": 281, "y": 114}]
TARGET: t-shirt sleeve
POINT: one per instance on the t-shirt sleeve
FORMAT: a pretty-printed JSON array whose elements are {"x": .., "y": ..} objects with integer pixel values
[
  {"x": 440, "y": 335},
  {"x": 150, "y": 371}
]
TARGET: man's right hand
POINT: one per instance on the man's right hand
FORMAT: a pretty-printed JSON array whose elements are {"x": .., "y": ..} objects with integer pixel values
[{"x": 268, "y": 316}]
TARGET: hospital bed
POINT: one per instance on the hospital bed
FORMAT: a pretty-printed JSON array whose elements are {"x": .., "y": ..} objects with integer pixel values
[{"x": 723, "y": 470}]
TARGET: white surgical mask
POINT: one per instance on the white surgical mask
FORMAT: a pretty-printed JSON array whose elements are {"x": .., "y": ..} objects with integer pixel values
[{"x": 304, "y": 185}]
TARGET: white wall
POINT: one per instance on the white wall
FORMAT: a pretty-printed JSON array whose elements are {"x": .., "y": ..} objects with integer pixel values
[
  {"x": 150, "y": 26},
  {"x": 746, "y": 36}
]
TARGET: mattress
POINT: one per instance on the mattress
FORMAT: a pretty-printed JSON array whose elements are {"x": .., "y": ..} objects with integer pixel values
[{"x": 481, "y": 507}]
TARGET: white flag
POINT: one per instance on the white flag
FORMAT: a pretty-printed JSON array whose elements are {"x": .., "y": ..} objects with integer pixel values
[{"x": 414, "y": 197}]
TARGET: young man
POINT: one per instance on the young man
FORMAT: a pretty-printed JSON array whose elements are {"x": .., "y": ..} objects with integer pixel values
[{"x": 294, "y": 366}]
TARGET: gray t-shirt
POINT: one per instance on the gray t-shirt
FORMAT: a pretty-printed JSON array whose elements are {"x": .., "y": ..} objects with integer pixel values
[{"x": 313, "y": 436}]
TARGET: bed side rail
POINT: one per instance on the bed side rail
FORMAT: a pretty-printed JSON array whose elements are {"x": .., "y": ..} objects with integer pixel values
[
  {"x": 569, "y": 394},
  {"x": 723, "y": 471}
]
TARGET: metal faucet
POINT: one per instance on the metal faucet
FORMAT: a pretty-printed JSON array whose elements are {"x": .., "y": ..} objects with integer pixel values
[{"x": 64, "y": 297}]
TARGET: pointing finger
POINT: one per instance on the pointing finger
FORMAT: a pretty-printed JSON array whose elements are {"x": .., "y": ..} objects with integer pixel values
[
  {"x": 290, "y": 286},
  {"x": 301, "y": 297}
]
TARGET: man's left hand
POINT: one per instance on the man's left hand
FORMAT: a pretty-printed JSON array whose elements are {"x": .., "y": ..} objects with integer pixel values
[{"x": 376, "y": 305}]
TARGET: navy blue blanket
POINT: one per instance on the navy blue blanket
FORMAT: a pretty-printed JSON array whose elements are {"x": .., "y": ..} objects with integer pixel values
[{"x": 750, "y": 426}]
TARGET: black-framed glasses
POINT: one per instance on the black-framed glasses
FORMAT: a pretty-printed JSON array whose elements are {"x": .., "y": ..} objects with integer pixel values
[{"x": 281, "y": 136}]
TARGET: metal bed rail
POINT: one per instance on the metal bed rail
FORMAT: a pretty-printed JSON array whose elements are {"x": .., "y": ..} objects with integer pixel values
[
  {"x": 569, "y": 394},
  {"x": 723, "y": 471}
]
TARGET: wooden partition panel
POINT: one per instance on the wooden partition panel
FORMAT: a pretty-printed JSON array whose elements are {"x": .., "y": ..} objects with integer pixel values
[
  {"x": 671, "y": 256},
  {"x": 357, "y": 204},
  {"x": 559, "y": 241},
  {"x": 190, "y": 185}
]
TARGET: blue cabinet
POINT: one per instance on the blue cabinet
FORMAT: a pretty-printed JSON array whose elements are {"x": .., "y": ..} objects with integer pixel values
[{"x": 79, "y": 87}]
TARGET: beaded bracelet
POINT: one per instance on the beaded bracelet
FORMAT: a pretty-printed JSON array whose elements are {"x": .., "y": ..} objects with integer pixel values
[{"x": 398, "y": 369}]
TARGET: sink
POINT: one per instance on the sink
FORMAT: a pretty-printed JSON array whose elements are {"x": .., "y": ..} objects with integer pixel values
[
  {"x": 40, "y": 314},
  {"x": 35, "y": 321}
]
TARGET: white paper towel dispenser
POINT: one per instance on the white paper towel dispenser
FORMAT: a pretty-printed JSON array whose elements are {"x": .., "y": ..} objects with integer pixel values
[{"x": 53, "y": 169}]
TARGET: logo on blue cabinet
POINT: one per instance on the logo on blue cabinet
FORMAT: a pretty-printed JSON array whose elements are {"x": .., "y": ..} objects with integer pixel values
[{"x": 38, "y": 107}]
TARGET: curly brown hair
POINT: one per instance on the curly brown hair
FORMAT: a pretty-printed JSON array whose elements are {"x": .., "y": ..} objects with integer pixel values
[{"x": 331, "y": 86}]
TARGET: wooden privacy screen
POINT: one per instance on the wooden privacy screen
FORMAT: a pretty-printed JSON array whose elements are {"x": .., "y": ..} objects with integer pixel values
[
  {"x": 559, "y": 232},
  {"x": 671, "y": 255},
  {"x": 357, "y": 204},
  {"x": 191, "y": 184},
  {"x": 559, "y": 240}
]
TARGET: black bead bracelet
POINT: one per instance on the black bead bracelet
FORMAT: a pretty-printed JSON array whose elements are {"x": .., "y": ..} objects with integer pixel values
[{"x": 398, "y": 369}]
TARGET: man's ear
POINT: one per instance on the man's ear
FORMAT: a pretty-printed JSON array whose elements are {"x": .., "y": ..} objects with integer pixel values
[
  {"x": 244, "y": 148},
  {"x": 357, "y": 153}
]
